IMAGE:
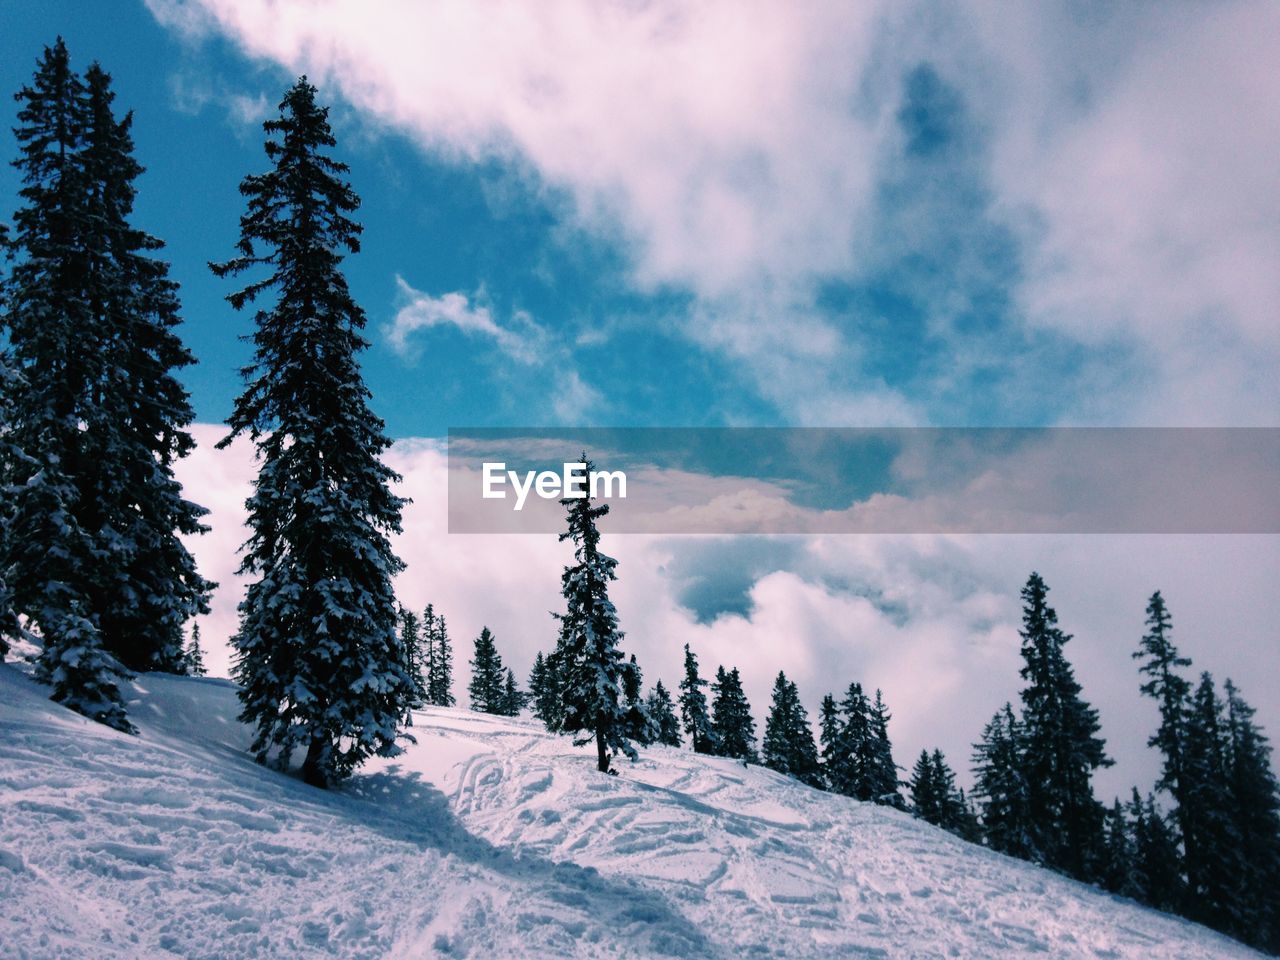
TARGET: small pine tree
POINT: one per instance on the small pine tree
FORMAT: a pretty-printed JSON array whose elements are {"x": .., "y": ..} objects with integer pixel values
[
  {"x": 411, "y": 642},
  {"x": 834, "y": 765},
  {"x": 488, "y": 681},
  {"x": 1118, "y": 862},
  {"x": 513, "y": 699},
  {"x": 926, "y": 793},
  {"x": 318, "y": 650},
  {"x": 693, "y": 707},
  {"x": 882, "y": 772},
  {"x": 734, "y": 729},
  {"x": 1001, "y": 787},
  {"x": 193, "y": 656},
  {"x": 544, "y": 688},
  {"x": 638, "y": 725},
  {"x": 662, "y": 713},
  {"x": 593, "y": 670},
  {"x": 788, "y": 739},
  {"x": 440, "y": 682}
]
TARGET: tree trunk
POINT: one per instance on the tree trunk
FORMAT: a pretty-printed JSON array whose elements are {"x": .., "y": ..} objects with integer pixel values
[
  {"x": 312, "y": 774},
  {"x": 602, "y": 755}
]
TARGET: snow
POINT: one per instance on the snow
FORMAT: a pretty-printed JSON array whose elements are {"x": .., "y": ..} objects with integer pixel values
[{"x": 488, "y": 838}]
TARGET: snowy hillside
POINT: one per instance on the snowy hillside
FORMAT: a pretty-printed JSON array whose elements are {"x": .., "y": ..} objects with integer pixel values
[{"x": 488, "y": 839}]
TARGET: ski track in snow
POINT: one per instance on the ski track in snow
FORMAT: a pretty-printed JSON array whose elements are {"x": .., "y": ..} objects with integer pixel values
[{"x": 489, "y": 838}]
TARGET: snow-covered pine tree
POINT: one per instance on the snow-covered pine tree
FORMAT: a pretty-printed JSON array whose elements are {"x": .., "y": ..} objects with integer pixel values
[
  {"x": 1157, "y": 871},
  {"x": 593, "y": 671},
  {"x": 693, "y": 707},
  {"x": 735, "y": 730},
  {"x": 487, "y": 676},
  {"x": 318, "y": 653},
  {"x": 834, "y": 765},
  {"x": 788, "y": 738},
  {"x": 663, "y": 714},
  {"x": 10, "y": 456},
  {"x": 56, "y": 560},
  {"x": 193, "y": 655},
  {"x": 440, "y": 672},
  {"x": 1000, "y": 786},
  {"x": 1256, "y": 805},
  {"x": 143, "y": 410},
  {"x": 1061, "y": 743},
  {"x": 411, "y": 643}
]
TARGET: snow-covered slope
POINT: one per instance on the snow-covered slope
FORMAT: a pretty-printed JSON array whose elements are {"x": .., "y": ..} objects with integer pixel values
[{"x": 488, "y": 839}]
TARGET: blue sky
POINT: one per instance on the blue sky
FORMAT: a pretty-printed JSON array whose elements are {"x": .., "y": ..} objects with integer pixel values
[
  {"x": 864, "y": 250},
  {"x": 897, "y": 212}
]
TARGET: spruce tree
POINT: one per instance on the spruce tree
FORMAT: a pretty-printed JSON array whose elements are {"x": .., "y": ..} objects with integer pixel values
[
  {"x": 693, "y": 707},
  {"x": 58, "y": 558},
  {"x": 734, "y": 729},
  {"x": 788, "y": 739},
  {"x": 318, "y": 653},
  {"x": 638, "y": 725},
  {"x": 513, "y": 699},
  {"x": 1255, "y": 804},
  {"x": 662, "y": 713},
  {"x": 927, "y": 800},
  {"x": 412, "y": 644},
  {"x": 835, "y": 772},
  {"x": 440, "y": 663},
  {"x": 1157, "y": 867},
  {"x": 193, "y": 656},
  {"x": 1061, "y": 743},
  {"x": 1000, "y": 786},
  {"x": 593, "y": 671},
  {"x": 1117, "y": 864},
  {"x": 882, "y": 772},
  {"x": 488, "y": 677},
  {"x": 544, "y": 689}
]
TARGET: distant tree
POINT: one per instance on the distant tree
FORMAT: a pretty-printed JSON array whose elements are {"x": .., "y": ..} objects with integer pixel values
[
  {"x": 693, "y": 707},
  {"x": 193, "y": 657},
  {"x": 318, "y": 649},
  {"x": 593, "y": 670},
  {"x": 1256, "y": 806},
  {"x": 788, "y": 739},
  {"x": 1061, "y": 745},
  {"x": 662, "y": 713},
  {"x": 411, "y": 643},
  {"x": 513, "y": 699},
  {"x": 834, "y": 763},
  {"x": 882, "y": 771},
  {"x": 544, "y": 691},
  {"x": 927, "y": 794},
  {"x": 488, "y": 678},
  {"x": 439, "y": 661},
  {"x": 734, "y": 729},
  {"x": 1157, "y": 867},
  {"x": 1001, "y": 787},
  {"x": 637, "y": 725},
  {"x": 1117, "y": 865}
]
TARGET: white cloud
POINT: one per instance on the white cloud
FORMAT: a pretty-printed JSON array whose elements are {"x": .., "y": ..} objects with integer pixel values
[
  {"x": 523, "y": 339},
  {"x": 932, "y": 620}
]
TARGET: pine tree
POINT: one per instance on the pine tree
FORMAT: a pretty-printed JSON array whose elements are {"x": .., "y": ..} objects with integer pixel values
[
  {"x": 788, "y": 738},
  {"x": 638, "y": 725},
  {"x": 834, "y": 764},
  {"x": 57, "y": 560},
  {"x": 11, "y": 461},
  {"x": 1157, "y": 867},
  {"x": 935, "y": 798},
  {"x": 927, "y": 801},
  {"x": 412, "y": 644},
  {"x": 1118, "y": 860},
  {"x": 513, "y": 699},
  {"x": 734, "y": 729},
  {"x": 1061, "y": 743},
  {"x": 440, "y": 663},
  {"x": 193, "y": 656},
  {"x": 693, "y": 707},
  {"x": 1256, "y": 808},
  {"x": 1001, "y": 787},
  {"x": 487, "y": 686},
  {"x": 882, "y": 772},
  {"x": 318, "y": 650},
  {"x": 1212, "y": 860},
  {"x": 544, "y": 688},
  {"x": 590, "y": 663},
  {"x": 662, "y": 713}
]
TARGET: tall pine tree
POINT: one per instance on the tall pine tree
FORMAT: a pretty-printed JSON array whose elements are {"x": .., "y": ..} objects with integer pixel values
[
  {"x": 488, "y": 676},
  {"x": 439, "y": 660},
  {"x": 1061, "y": 743},
  {"x": 735, "y": 730},
  {"x": 318, "y": 653},
  {"x": 593, "y": 671}
]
